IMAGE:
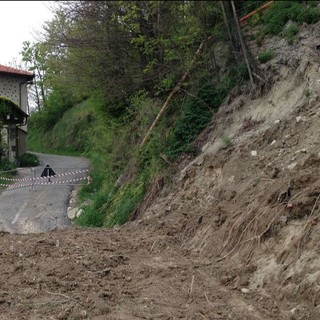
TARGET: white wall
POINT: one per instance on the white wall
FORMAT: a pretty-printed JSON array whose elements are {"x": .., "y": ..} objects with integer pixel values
[{"x": 10, "y": 88}]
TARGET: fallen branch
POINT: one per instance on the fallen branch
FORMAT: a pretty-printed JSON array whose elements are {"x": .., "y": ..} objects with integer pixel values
[
  {"x": 208, "y": 301},
  {"x": 173, "y": 92},
  {"x": 191, "y": 285},
  {"x": 153, "y": 245},
  {"x": 58, "y": 294}
]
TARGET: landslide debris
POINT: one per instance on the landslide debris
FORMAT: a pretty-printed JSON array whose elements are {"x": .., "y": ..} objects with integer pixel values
[{"x": 236, "y": 235}]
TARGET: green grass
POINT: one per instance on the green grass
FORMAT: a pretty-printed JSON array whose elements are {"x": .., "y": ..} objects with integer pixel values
[
  {"x": 226, "y": 141},
  {"x": 265, "y": 56},
  {"x": 124, "y": 201},
  {"x": 280, "y": 12},
  {"x": 290, "y": 33},
  {"x": 6, "y": 165},
  {"x": 90, "y": 218},
  {"x": 283, "y": 18},
  {"x": 307, "y": 92}
]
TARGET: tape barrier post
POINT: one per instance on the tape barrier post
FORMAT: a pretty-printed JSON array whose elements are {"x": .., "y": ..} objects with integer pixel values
[{"x": 32, "y": 178}]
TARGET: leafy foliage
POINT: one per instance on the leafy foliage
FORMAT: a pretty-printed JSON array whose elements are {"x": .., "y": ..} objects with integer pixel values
[
  {"x": 28, "y": 160},
  {"x": 57, "y": 104},
  {"x": 35, "y": 55},
  {"x": 265, "y": 56},
  {"x": 6, "y": 165},
  {"x": 290, "y": 32},
  {"x": 196, "y": 114},
  {"x": 280, "y": 12}
]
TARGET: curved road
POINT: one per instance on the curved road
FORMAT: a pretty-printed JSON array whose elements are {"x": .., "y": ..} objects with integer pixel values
[{"x": 44, "y": 207}]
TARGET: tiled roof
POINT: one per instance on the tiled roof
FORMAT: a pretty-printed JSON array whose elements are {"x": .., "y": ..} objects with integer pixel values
[{"x": 14, "y": 71}]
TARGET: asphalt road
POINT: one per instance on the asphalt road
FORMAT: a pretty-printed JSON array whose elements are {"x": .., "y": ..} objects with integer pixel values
[{"x": 42, "y": 207}]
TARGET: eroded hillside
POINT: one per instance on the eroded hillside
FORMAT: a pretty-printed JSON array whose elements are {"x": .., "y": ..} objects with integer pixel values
[{"x": 236, "y": 235}]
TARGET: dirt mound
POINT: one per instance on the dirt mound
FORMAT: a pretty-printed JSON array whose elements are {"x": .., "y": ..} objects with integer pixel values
[
  {"x": 127, "y": 273},
  {"x": 236, "y": 236}
]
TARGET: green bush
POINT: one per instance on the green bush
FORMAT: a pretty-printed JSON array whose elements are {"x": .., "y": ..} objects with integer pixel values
[
  {"x": 310, "y": 15},
  {"x": 226, "y": 141},
  {"x": 28, "y": 160},
  {"x": 290, "y": 32},
  {"x": 265, "y": 56},
  {"x": 54, "y": 108},
  {"x": 280, "y": 12},
  {"x": 260, "y": 36},
  {"x": 196, "y": 114},
  {"x": 6, "y": 165},
  {"x": 7, "y": 170}
]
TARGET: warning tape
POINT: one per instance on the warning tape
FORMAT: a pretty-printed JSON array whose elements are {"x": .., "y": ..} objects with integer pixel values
[
  {"x": 14, "y": 179},
  {"x": 38, "y": 178},
  {"x": 63, "y": 174},
  {"x": 5, "y": 185},
  {"x": 17, "y": 186},
  {"x": 59, "y": 182}
]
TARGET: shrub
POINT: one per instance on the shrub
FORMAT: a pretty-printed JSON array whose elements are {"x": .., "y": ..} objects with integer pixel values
[
  {"x": 265, "y": 56},
  {"x": 226, "y": 141},
  {"x": 197, "y": 112},
  {"x": 28, "y": 160},
  {"x": 290, "y": 32},
  {"x": 280, "y": 12},
  {"x": 6, "y": 165},
  {"x": 307, "y": 93},
  {"x": 260, "y": 38},
  {"x": 54, "y": 108}
]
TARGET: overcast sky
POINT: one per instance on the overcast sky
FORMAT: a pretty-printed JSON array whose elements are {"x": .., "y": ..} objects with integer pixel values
[{"x": 19, "y": 22}]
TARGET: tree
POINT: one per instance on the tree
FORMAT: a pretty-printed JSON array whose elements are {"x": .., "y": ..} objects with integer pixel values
[{"x": 35, "y": 57}]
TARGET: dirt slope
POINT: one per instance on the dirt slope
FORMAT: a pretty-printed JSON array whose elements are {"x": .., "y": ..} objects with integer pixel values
[{"x": 235, "y": 237}]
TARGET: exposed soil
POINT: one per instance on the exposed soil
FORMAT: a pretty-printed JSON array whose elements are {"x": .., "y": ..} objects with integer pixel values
[{"x": 235, "y": 236}]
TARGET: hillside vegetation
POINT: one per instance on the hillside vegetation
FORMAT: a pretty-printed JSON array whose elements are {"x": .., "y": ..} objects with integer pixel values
[{"x": 108, "y": 67}]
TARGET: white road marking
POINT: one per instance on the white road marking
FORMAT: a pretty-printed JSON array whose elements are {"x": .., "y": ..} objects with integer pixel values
[{"x": 19, "y": 212}]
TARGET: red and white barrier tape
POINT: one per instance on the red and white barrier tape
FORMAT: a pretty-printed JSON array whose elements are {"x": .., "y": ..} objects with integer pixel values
[
  {"x": 38, "y": 178},
  {"x": 60, "y": 182},
  {"x": 17, "y": 186}
]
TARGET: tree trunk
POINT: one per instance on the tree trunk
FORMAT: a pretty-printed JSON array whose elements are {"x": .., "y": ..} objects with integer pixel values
[
  {"x": 231, "y": 28},
  {"x": 243, "y": 47}
]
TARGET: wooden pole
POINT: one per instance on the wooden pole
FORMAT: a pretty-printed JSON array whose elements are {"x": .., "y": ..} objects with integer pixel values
[{"x": 246, "y": 17}]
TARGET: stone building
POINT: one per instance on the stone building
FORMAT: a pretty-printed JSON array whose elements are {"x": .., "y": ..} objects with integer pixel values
[{"x": 14, "y": 110}]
